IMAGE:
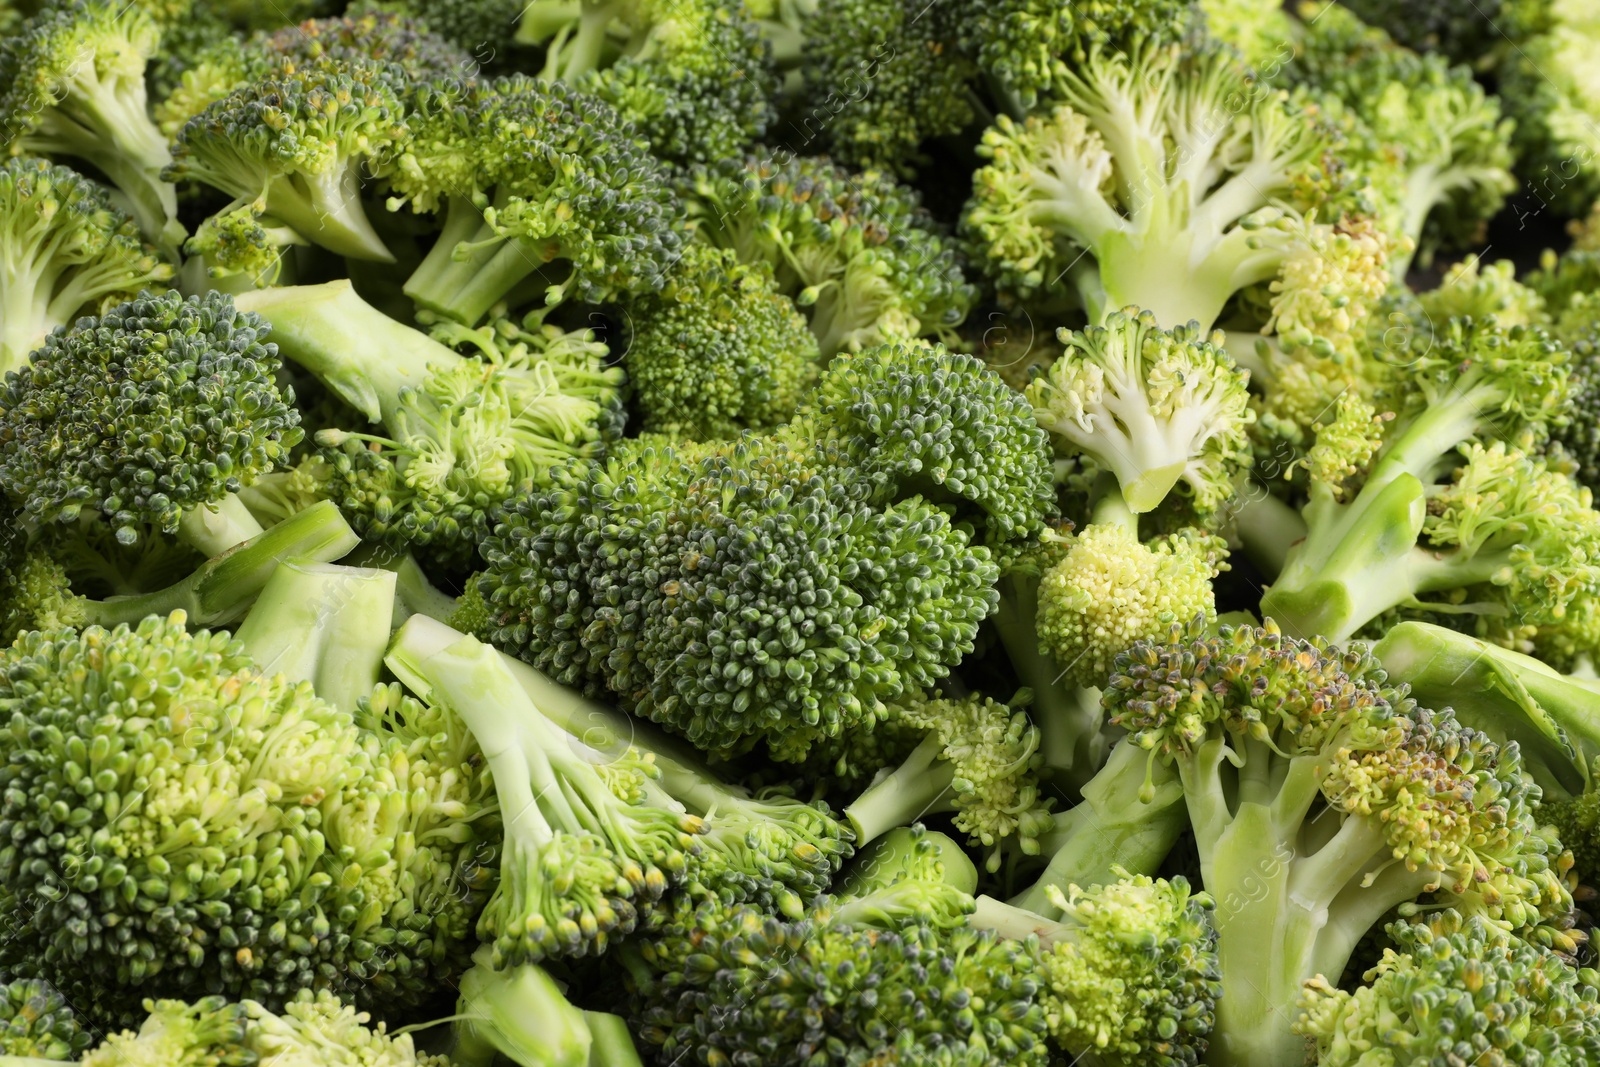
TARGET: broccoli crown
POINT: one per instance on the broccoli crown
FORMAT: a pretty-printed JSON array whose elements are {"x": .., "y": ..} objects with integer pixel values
[
  {"x": 1329, "y": 287},
  {"x": 719, "y": 350},
  {"x": 823, "y": 990},
  {"x": 228, "y": 808},
  {"x": 1432, "y": 138},
  {"x": 921, "y": 419},
  {"x": 857, "y": 250},
  {"x": 1485, "y": 374},
  {"x": 1097, "y": 189},
  {"x": 885, "y": 77},
  {"x": 750, "y": 591},
  {"x": 73, "y": 81},
  {"x": 159, "y": 406},
  {"x": 64, "y": 249},
  {"x": 1163, "y": 409},
  {"x": 1472, "y": 289},
  {"x": 237, "y": 242},
  {"x": 1028, "y": 46},
  {"x": 1578, "y": 326},
  {"x": 211, "y": 1032},
  {"x": 36, "y": 593},
  {"x": 1132, "y": 978},
  {"x": 1457, "y": 989},
  {"x": 355, "y": 39},
  {"x": 535, "y": 176},
  {"x": 1546, "y": 90},
  {"x": 37, "y": 1022},
  {"x": 1109, "y": 590}
]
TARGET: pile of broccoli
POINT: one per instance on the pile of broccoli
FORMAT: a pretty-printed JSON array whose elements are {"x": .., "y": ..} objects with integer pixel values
[{"x": 810, "y": 533}]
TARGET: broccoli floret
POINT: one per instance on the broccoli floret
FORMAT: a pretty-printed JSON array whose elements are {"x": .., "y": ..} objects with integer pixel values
[
  {"x": 1128, "y": 973},
  {"x": 1466, "y": 31},
  {"x": 1457, "y": 988},
  {"x": 74, "y": 78},
  {"x": 546, "y": 191},
  {"x": 878, "y": 79},
  {"x": 978, "y": 759},
  {"x": 695, "y": 76},
  {"x": 586, "y": 841},
  {"x": 294, "y": 144},
  {"x": 1469, "y": 288},
  {"x": 768, "y": 850},
  {"x": 1162, "y": 409},
  {"x": 522, "y": 1014},
  {"x": 885, "y": 971},
  {"x": 459, "y": 434},
  {"x": 856, "y": 251},
  {"x": 719, "y": 350},
  {"x": 230, "y": 807},
  {"x": 1506, "y": 533},
  {"x": 38, "y": 593},
  {"x": 237, "y": 250},
  {"x": 1027, "y": 49},
  {"x": 1543, "y": 84},
  {"x": 1321, "y": 797},
  {"x": 65, "y": 249},
  {"x": 211, "y": 1032},
  {"x": 1424, "y": 132},
  {"x": 37, "y": 1023},
  {"x": 158, "y": 411},
  {"x": 1163, "y": 179}
]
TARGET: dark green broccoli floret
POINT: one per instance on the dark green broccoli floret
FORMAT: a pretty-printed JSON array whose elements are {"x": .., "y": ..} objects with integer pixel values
[
  {"x": 65, "y": 249},
  {"x": 1457, "y": 989},
  {"x": 294, "y": 144},
  {"x": 232, "y": 809},
  {"x": 881, "y": 78},
  {"x": 158, "y": 412},
  {"x": 718, "y": 350},
  {"x": 36, "y": 1022},
  {"x": 72, "y": 84},
  {"x": 548, "y": 195},
  {"x": 856, "y": 251},
  {"x": 695, "y": 76},
  {"x": 458, "y": 434}
]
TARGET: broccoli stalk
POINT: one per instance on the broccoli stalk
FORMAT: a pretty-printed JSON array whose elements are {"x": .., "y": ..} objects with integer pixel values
[
  {"x": 1508, "y": 532},
  {"x": 523, "y": 1014},
  {"x": 324, "y": 624}
]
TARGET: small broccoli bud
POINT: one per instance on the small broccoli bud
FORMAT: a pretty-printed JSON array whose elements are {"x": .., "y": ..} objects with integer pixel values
[
  {"x": 37, "y": 1022},
  {"x": 1470, "y": 288},
  {"x": 1160, "y": 408}
]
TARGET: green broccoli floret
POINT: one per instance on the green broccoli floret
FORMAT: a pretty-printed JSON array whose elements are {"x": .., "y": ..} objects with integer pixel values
[
  {"x": 977, "y": 759},
  {"x": 237, "y": 250},
  {"x": 459, "y": 434},
  {"x": 37, "y": 592},
  {"x": 1163, "y": 179},
  {"x": 1577, "y": 325},
  {"x": 240, "y": 834},
  {"x": 74, "y": 86},
  {"x": 547, "y": 192},
  {"x": 1423, "y": 132},
  {"x": 767, "y": 850},
  {"x": 294, "y": 144},
  {"x": 717, "y": 351},
  {"x": 1466, "y": 31},
  {"x": 585, "y": 842},
  {"x": 1507, "y": 534},
  {"x": 521, "y": 1013},
  {"x": 1471, "y": 288},
  {"x": 158, "y": 411},
  {"x": 853, "y": 587},
  {"x": 856, "y": 251},
  {"x": 37, "y": 1023},
  {"x": 1162, "y": 409},
  {"x": 1544, "y": 83},
  {"x": 65, "y": 249},
  {"x": 887, "y": 968},
  {"x": 1321, "y": 798},
  {"x": 211, "y": 1032},
  {"x": 1027, "y": 49},
  {"x": 1128, "y": 974},
  {"x": 878, "y": 79},
  {"x": 1457, "y": 989},
  {"x": 695, "y": 76}
]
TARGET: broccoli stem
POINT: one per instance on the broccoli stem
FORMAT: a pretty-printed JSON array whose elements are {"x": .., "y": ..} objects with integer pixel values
[
  {"x": 324, "y": 624},
  {"x": 1269, "y": 528},
  {"x": 367, "y": 358},
  {"x": 221, "y": 590},
  {"x": 519, "y": 1012},
  {"x": 1130, "y": 817},
  {"x": 211, "y": 529},
  {"x": 326, "y": 208},
  {"x": 613, "y": 1044},
  {"x": 919, "y": 786},
  {"x": 472, "y": 266}
]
